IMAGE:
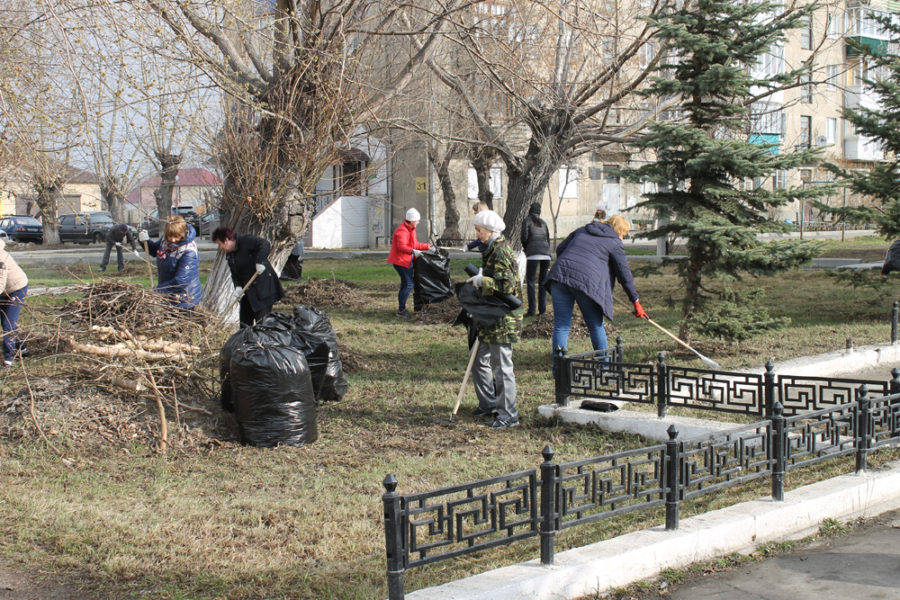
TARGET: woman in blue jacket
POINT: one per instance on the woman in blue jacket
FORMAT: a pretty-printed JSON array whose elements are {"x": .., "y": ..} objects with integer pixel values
[
  {"x": 177, "y": 262},
  {"x": 587, "y": 263}
]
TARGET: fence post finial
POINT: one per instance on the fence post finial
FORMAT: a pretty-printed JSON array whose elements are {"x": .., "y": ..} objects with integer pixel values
[
  {"x": 673, "y": 478},
  {"x": 548, "y": 506},
  {"x": 393, "y": 536}
]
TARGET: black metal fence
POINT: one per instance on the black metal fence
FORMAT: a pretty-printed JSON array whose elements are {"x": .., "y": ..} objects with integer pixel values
[
  {"x": 604, "y": 375},
  {"x": 440, "y": 524}
]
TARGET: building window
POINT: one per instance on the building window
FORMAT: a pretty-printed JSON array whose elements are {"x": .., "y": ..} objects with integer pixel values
[
  {"x": 494, "y": 182},
  {"x": 806, "y": 33},
  {"x": 833, "y": 27},
  {"x": 805, "y": 175},
  {"x": 568, "y": 182},
  {"x": 831, "y": 76},
  {"x": 805, "y": 140},
  {"x": 831, "y": 124},
  {"x": 806, "y": 87},
  {"x": 780, "y": 179}
]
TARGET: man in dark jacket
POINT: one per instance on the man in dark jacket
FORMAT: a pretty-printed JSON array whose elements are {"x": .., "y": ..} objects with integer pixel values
[
  {"x": 246, "y": 255},
  {"x": 536, "y": 245},
  {"x": 115, "y": 235}
]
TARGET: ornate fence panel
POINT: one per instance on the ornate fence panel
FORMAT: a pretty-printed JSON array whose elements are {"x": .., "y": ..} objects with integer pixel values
[
  {"x": 819, "y": 435},
  {"x": 604, "y": 486},
  {"x": 885, "y": 420},
  {"x": 594, "y": 378},
  {"x": 461, "y": 519},
  {"x": 721, "y": 391},
  {"x": 730, "y": 458},
  {"x": 800, "y": 394}
]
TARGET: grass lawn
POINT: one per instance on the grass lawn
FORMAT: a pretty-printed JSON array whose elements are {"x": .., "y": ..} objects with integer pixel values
[{"x": 220, "y": 520}]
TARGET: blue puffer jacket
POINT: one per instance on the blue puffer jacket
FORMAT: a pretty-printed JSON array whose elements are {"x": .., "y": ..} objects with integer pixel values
[
  {"x": 178, "y": 266},
  {"x": 589, "y": 260}
]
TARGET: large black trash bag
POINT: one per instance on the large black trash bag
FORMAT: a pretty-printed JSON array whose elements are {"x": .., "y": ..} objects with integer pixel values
[
  {"x": 892, "y": 260},
  {"x": 314, "y": 335},
  {"x": 431, "y": 278},
  {"x": 273, "y": 329},
  {"x": 483, "y": 310},
  {"x": 273, "y": 395}
]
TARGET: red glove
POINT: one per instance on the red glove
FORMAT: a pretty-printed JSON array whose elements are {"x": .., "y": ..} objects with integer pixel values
[{"x": 639, "y": 311}]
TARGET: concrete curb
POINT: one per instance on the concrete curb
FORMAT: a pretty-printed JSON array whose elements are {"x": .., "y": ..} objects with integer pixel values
[{"x": 622, "y": 560}]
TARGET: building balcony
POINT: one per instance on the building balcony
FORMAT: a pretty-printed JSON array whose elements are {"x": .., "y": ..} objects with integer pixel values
[
  {"x": 772, "y": 140},
  {"x": 859, "y": 96},
  {"x": 860, "y": 147}
]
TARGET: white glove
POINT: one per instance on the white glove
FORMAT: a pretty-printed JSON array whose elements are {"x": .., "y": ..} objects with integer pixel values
[
  {"x": 118, "y": 244},
  {"x": 237, "y": 292},
  {"x": 260, "y": 268},
  {"x": 143, "y": 236},
  {"x": 138, "y": 254},
  {"x": 475, "y": 280},
  {"x": 416, "y": 253}
]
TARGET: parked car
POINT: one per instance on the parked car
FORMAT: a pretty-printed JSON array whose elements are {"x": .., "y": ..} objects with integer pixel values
[
  {"x": 22, "y": 229},
  {"x": 209, "y": 222},
  {"x": 151, "y": 221},
  {"x": 84, "y": 227}
]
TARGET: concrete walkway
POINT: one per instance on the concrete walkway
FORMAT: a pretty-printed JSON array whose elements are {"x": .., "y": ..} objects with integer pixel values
[{"x": 740, "y": 528}]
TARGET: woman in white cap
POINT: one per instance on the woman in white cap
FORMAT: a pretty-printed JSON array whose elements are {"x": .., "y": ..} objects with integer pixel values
[
  {"x": 404, "y": 248},
  {"x": 492, "y": 371}
]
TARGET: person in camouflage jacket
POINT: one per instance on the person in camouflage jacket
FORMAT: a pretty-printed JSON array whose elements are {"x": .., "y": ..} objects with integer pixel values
[{"x": 492, "y": 372}]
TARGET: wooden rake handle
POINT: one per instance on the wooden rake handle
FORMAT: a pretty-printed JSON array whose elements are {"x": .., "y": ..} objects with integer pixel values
[
  {"x": 237, "y": 298},
  {"x": 462, "y": 388}
]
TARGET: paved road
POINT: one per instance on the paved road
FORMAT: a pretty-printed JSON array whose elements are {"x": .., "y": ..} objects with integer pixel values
[{"x": 862, "y": 565}]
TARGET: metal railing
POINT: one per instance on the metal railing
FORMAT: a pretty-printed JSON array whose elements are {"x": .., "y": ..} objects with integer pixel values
[
  {"x": 602, "y": 375},
  {"x": 441, "y": 524}
]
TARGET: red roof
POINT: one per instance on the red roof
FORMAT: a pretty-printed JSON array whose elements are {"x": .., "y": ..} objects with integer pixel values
[{"x": 186, "y": 177}]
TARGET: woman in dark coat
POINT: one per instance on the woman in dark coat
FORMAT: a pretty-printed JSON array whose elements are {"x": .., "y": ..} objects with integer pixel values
[
  {"x": 246, "y": 255},
  {"x": 587, "y": 263},
  {"x": 536, "y": 245}
]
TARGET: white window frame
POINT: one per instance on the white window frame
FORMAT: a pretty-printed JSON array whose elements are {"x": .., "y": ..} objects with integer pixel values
[
  {"x": 831, "y": 76},
  {"x": 831, "y": 125},
  {"x": 568, "y": 182}
]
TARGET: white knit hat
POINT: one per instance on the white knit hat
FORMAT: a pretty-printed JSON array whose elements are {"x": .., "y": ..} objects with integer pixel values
[
  {"x": 600, "y": 206},
  {"x": 413, "y": 215},
  {"x": 489, "y": 220}
]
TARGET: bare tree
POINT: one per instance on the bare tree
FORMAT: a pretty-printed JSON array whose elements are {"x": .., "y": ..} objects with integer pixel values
[
  {"x": 544, "y": 84},
  {"x": 299, "y": 78}
]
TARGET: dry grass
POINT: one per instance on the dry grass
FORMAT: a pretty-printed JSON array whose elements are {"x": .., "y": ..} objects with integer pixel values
[{"x": 94, "y": 501}]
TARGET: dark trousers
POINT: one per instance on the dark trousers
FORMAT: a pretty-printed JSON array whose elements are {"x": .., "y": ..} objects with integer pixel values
[
  {"x": 248, "y": 316},
  {"x": 10, "y": 306},
  {"x": 119, "y": 257},
  {"x": 406, "y": 285},
  {"x": 532, "y": 269}
]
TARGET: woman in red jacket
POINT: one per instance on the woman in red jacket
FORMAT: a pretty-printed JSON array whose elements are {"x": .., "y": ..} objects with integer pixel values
[{"x": 404, "y": 247}]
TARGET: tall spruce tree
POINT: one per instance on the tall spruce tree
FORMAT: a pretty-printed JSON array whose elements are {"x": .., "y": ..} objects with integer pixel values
[
  {"x": 707, "y": 159},
  {"x": 880, "y": 183}
]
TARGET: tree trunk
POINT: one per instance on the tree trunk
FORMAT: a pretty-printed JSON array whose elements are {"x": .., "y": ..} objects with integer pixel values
[
  {"x": 168, "y": 173},
  {"x": 481, "y": 162},
  {"x": 525, "y": 187},
  {"x": 691, "y": 292},
  {"x": 47, "y": 199},
  {"x": 451, "y": 214}
]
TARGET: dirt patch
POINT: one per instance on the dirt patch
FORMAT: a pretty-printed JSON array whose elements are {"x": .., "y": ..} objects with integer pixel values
[
  {"x": 324, "y": 293},
  {"x": 438, "y": 313}
]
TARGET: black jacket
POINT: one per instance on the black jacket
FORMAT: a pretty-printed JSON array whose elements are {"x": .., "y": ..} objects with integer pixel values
[
  {"x": 535, "y": 238},
  {"x": 118, "y": 237},
  {"x": 249, "y": 251}
]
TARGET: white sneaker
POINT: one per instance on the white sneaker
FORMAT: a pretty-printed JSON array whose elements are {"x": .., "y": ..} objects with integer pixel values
[{"x": 7, "y": 363}]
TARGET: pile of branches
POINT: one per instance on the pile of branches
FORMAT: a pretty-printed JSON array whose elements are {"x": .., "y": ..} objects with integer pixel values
[{"x": 134, "y": 343}]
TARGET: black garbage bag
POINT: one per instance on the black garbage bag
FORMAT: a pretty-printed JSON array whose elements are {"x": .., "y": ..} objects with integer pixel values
[
  {"x": 483, "y": 310},
  {"x": 314, "y": 335},
  {"x": 270, "y": 331},
  {"x": 892, "y": 259},
  {"x": 273, "y": 395},
  {"x": 431, "y": 278}
]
